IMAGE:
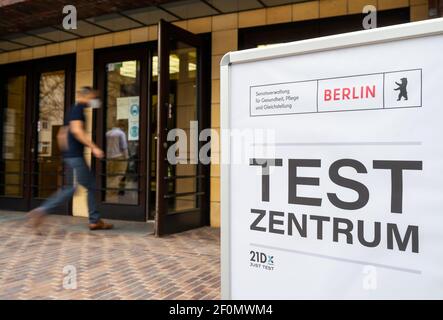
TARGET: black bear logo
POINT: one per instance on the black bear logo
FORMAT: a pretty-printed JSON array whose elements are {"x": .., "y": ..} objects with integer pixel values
[{"x": 402, "y": 88}]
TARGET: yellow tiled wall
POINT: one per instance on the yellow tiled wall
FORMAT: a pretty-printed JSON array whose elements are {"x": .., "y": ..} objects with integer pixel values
[{"x": 224, "y": 30}]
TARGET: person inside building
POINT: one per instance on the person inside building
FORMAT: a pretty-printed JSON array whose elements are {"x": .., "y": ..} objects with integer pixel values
[
  {"x": 117, "y": 158},
  {"x": 72, "y": 138}
]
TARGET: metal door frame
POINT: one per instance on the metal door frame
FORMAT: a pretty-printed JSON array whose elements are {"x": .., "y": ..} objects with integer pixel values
[
  {"x": 142, "y": 53},
  {"x": 167, "y": 223},
  {"x": 32, "y": 69}
]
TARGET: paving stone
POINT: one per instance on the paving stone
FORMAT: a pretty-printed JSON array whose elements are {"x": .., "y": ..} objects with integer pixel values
[{"x": 123, "y": 264}]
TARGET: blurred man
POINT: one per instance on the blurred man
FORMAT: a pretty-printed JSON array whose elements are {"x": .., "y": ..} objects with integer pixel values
[{"x": 72, "y": 138}]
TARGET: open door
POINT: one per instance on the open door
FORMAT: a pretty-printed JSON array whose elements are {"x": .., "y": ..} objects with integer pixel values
[{"x": 183, "y": 102}]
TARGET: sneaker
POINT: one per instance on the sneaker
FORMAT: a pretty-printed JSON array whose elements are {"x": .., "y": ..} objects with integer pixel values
[
  {"x": 36, "y": 217},
  {"x": 100, "y": 225}
]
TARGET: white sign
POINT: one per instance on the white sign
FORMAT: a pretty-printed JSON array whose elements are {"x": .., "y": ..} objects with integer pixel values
[
  {"x": 349, "y": 205},
  {"x": 122, "y": 108},
  {"x": 133, "y": 130},
  {"x": 133, "y": 119},
  {"x": 128, "y": 108},
  {"x": 346, "y": 93}
]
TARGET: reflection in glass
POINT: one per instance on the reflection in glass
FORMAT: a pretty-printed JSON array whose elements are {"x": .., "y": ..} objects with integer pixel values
[
  {"x": 51, "y": 114},
  {"x": 11, "y": 163},
  {"x": 122, "y": 132},
  {"x": 174, "y": 65},
  {"x": 153, "y": 151},
  {"x": 182, "y": 181}
]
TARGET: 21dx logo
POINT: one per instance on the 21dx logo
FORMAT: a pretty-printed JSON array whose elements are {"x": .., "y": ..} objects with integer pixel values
[{"x": 261, "y": 260}]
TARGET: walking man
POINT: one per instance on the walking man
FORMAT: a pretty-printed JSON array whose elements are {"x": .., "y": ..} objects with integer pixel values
[{"x": 72, "y": 139}]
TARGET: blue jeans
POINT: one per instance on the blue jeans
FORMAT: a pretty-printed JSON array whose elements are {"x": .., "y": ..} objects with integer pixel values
[{"x": 84, "y": 178}]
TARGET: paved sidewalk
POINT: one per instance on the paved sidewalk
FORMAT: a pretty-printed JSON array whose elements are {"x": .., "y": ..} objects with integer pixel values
[{"x": 125, "y": 263}]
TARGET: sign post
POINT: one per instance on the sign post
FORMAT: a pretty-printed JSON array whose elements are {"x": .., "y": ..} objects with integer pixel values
[{"x": 343, "y": 199}]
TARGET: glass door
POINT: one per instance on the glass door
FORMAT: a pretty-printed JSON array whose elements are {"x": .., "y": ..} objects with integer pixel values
[
  {"x": 34, "y": 97},
  {"x": 53, "y": 94},
  {"x": 182, "y": 182},
  {"x": 121, "y": 127},
  {"x": 13, "y": 190}
]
